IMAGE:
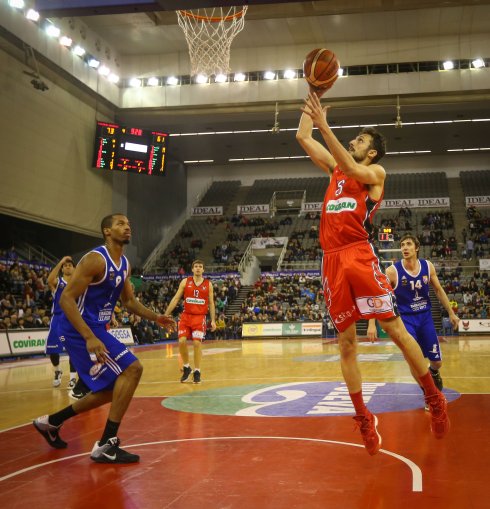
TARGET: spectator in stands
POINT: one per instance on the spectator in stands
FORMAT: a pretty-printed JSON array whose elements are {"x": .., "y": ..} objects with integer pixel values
[{"x": 469, "y": 249}]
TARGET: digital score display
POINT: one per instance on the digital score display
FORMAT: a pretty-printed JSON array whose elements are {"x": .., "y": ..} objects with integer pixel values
[
  {"x": 129, "y": 149},
  {"x": 386, "y": 235}
]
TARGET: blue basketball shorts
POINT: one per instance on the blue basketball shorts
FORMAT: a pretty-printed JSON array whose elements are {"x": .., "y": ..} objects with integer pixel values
[
  {"x": 53, "y": 343},
  {"x": 97, "y": 377},
  {"x": 421, "y": 327}
]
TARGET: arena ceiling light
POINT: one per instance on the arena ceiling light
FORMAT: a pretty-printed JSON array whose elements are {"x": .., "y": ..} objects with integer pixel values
[
  {"x": 340, "y": 72},
  {"x": 172, "y": 80},
  {"x": 18, "y": 4},
  {"x": 52, "y": 30},
  {"x": 135, "y": 82},
  {"x": 32, "y": 15},
  {"x": 93, "y": 62},
  {"x": 201, "y": 78},
  {"x": 113, "y": 78},
  {"x": 239, "y": 76},
  {"x": 66, "y": 41},
  {"x": 448, "y": 65},
  {"x": 104, "y": 70},
  {"x": 289, "y": 74},
  {"x": 269, "y": 75},
  {"x": 153, "y": 82},
  {"x": 221, "y": 78},
  {"x": 478, "y": 63},
  {"x": 78, "y": 51}
]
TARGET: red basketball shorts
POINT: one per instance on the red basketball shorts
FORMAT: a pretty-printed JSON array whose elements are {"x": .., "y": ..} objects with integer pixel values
[
  {"x": 192, "y": 326},
  {"x": 355, "y": 286}
]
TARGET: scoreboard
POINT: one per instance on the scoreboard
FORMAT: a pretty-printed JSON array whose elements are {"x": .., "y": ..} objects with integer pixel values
[
  {"x": 129, "y": 149},
  {"x": 386, "y": 234}
]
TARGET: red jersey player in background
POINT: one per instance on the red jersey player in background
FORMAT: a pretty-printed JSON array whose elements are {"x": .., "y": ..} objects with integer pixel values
[
  {"x": 354, "y": 284},
  {"x": 198, "y": 298}
]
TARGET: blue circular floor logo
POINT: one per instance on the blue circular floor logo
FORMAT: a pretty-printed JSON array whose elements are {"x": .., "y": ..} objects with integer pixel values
[{"x": 303, "y": 399}]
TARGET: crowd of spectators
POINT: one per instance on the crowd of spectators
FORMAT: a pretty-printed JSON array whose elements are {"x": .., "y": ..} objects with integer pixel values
[{"x": 25, "y": 299}]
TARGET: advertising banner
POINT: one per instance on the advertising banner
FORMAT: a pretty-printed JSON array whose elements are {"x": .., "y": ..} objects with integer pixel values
[
  {"x": 314, "y": 206},
  {"x": 475, "y": 325},
  {"x": 416, "y": 203},
  {"x": 478, "y": 201},
  {"x": 311, "y": 329},
  {"x": 268, "y": 242},
  {"x": 207, "y": 211},
  {"x": 281, "y": 329},
  {"x": 484, "y": 263},
  {"x": 4, "y": 344},
  {"x": 123, "y": 334},
  {"x": 250, "y": 330},
  {"x": 253, "y": 209},
  {"x": 27, "y": 341}
]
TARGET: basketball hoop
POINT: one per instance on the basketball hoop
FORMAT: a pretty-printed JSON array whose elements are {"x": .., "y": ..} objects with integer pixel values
[{"x": 209, "y": 34}]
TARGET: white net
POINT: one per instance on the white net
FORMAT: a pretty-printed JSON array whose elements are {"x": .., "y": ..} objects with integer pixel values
[{"x": 209, "y": 34}]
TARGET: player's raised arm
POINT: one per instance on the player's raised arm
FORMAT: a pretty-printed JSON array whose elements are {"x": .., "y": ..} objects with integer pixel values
[
  {"x": 359, "y": 161},
  {"x": 53, "y": 275},
  {"x": 317, "y": 152}
]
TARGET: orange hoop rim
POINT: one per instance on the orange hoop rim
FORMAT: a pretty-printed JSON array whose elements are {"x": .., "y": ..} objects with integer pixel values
[{"x": 212, "y": 19}]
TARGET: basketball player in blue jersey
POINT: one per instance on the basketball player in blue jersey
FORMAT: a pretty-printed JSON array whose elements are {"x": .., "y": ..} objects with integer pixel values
[
  {"x": 411, "y": 278},
  {"x": 54, "y": 347},
  {"x": 107, "y": 367}
]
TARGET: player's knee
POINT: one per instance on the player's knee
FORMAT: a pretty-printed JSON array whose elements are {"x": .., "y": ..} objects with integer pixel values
[
  {"x": 436, "y": 364},
  {"x": 135, "y": 370},
  {"x": 183, "y": 339}
]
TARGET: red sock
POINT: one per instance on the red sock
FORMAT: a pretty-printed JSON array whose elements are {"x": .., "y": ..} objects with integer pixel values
[
  {"x": 358, "y": 402},
  {"x": 428, "y": 384}
]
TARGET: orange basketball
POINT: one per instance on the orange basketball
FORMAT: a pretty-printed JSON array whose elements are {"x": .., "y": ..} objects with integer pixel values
[{"x": 321, "y": 68}]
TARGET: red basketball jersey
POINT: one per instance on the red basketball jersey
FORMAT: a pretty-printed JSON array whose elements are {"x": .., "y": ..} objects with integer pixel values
[
  {"x": 196, "y": 297},
  {"x": 347, "y": 212}
]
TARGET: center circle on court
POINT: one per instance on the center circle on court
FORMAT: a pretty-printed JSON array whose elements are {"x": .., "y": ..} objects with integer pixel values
[{"x": 300, "y": 399}]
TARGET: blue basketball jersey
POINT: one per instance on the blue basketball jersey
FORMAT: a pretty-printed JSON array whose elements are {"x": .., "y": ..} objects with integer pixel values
[
  {"x": 97, "y": 303},
  {"x": 412, "y": 292},
  {"x": 55, "y": 308}
]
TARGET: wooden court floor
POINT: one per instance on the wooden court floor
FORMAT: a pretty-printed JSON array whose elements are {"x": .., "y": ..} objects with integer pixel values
[{"x": 270, "y": 427}]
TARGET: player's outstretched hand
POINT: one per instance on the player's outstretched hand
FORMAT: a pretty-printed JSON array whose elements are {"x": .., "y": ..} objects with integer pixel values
[
  {"x": 167, "y": 322},
  {"x": 314, "y": 110}
]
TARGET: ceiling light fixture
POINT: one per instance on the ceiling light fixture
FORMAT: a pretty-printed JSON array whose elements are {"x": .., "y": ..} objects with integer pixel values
[
  {"x": 78, "y": 51},
  {"x": 478, "y": 63},
  {"x": 221, "y": 78},
  {"x": 66, "y": 41},
  {"x": 32, "y": 15},
  {"x": 135, "y": 82},
  {"x": 52, "y": 31}
]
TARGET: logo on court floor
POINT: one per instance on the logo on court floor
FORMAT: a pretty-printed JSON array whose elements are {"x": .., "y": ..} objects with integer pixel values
[{"x": 301, "y": 399}]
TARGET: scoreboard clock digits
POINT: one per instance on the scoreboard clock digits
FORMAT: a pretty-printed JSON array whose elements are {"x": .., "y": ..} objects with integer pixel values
[
  {"x": 129, "y": 149},
  {"x": 386, "y": 235}
]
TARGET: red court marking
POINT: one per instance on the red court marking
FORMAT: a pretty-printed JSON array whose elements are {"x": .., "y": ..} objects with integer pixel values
[{"x": 253, "y": 473}]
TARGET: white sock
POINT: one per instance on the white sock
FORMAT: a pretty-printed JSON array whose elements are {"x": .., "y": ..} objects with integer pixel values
[
  {"x": 73, "y": 374},
  {"x": 187, "y": 365},
  {"x": 197, "y": 369}
]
